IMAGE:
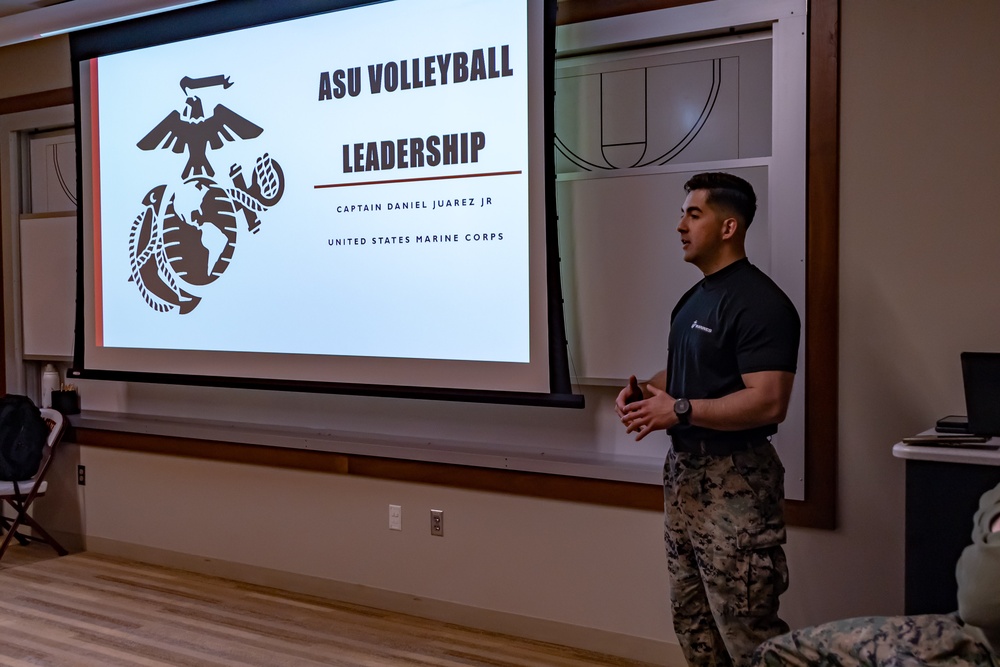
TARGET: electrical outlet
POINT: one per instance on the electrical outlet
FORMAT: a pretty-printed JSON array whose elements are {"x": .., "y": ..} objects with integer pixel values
[
  {"x": 81, "y": 475},
  {"x": 437, "y": 523},
  {"x": 395, "y": 517}
]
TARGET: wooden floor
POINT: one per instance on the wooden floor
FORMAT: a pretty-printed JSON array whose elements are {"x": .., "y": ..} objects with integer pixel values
[{"x": 86, "y": 609}]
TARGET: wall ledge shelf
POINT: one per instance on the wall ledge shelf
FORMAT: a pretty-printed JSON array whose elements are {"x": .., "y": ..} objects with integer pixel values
[{"x": 644, "y": 470}]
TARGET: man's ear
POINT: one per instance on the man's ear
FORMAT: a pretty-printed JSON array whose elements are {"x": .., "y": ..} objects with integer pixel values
[{"x": 729, "y": 227}]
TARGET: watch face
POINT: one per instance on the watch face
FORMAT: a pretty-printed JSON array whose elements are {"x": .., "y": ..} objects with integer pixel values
[{"x": 682, "y": 408}]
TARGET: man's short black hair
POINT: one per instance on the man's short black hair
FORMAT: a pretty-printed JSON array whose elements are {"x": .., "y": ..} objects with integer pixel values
[{"x": 727, "y": 192}]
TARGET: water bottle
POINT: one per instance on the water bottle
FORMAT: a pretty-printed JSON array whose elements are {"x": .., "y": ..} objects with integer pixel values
[{"x": 50, "y": 383}]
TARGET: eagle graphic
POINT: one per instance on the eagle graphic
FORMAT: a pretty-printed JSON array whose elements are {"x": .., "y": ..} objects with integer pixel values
[{"x": 190, "y": 130}]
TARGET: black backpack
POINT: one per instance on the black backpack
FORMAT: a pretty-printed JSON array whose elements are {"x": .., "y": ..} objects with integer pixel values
[{"x": 23, "y": 433}]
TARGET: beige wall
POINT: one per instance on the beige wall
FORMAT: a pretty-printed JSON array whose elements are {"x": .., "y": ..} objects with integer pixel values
[
  {"x": 32, "y": 67},
  {"x": 920, "y": 159}
]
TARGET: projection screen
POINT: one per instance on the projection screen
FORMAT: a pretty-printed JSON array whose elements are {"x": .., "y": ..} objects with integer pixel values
[{"x": 322, "y": 196}]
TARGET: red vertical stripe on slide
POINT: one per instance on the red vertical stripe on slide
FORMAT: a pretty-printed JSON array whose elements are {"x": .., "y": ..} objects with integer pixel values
[{"x": 95, "y": 170}]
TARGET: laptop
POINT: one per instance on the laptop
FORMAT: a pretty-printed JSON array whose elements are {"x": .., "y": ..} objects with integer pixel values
[{"x": 981, "y": 376}]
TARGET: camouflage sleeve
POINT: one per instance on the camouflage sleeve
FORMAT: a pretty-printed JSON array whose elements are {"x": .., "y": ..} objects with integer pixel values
[
  {"x": 978, "y": 572},
  {"x": 902, "y": 641}
]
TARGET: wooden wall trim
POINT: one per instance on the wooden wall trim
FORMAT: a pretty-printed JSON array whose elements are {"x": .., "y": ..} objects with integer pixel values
[
  {"x": 32, "y": 101},
  {"x": 537, "y": 485},
  {"x": 819, "y": 509}
]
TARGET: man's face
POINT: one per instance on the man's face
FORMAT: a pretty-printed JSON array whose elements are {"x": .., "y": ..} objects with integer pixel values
[{"x": 701, "y": 228}]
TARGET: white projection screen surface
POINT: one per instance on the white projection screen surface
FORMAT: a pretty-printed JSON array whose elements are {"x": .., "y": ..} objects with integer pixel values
[{"x": 354, "y": 200}]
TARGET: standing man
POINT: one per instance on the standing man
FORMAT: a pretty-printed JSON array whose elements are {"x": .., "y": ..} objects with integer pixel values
[{"x": 733, "y": 346}]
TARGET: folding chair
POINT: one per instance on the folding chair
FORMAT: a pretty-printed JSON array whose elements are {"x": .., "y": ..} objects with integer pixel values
[{"x": 21, "y": 494}]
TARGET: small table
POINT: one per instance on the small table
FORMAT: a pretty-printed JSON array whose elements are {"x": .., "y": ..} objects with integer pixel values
[{"x": 943, "y": 486}]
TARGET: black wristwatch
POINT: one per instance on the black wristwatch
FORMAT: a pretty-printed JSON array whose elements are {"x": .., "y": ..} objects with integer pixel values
[{"x": 682, "y": 408}]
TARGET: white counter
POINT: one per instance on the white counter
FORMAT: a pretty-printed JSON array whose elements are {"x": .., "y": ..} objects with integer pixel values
[{"x": 948, "y": 453}]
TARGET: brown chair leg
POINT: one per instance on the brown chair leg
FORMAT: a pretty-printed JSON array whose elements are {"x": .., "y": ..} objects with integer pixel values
[
  {"x": 28, "y": 521},
  {"x": 7, "y": 538}
]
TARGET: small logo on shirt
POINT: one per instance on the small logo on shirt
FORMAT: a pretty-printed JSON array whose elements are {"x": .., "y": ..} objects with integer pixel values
[{"x": 700, "y": 327}]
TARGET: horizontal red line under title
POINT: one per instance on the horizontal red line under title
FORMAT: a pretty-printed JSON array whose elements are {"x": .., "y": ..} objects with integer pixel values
[{"x": 413, "y": 180}]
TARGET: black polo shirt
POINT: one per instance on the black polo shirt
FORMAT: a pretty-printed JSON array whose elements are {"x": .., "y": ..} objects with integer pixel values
[{"x": 732, "y": 322}]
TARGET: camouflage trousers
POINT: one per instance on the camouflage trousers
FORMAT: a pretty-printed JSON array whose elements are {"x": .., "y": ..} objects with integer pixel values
[
  {"x": 724, "y": 527},
  {"x": 893, "y": 641}
]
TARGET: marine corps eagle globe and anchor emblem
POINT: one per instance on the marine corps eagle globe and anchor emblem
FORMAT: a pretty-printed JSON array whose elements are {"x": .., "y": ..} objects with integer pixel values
[{"x": 186, "y": 235}]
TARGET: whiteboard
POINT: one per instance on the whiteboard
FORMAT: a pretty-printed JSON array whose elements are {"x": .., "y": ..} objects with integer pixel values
[
  {"x": 631, "y": 128},
  {"x": 48, "y": 286}
]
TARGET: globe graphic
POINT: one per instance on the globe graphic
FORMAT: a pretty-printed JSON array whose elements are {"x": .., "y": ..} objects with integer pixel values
[{"x": 199, "y": 231}]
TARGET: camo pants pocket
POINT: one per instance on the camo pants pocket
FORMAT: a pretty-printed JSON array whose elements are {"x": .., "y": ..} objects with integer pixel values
[{"x": 761, "y": 573}]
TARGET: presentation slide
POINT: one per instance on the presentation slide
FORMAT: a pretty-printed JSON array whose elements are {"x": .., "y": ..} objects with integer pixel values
[{"x": 354, "y": 183}]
